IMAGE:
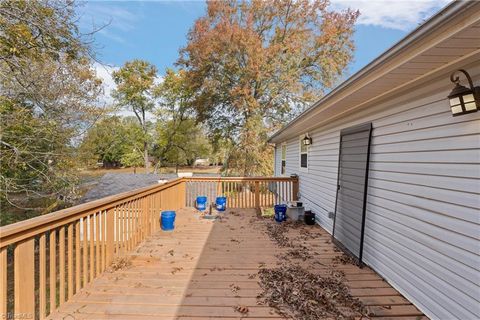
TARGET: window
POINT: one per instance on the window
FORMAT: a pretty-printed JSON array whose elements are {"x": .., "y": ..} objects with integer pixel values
[
  {"x": 284, "y": 158},
  {"x": 303, "y": 154}
]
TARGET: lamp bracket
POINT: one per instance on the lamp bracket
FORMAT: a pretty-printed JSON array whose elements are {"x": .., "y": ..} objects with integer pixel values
[{"x": 456, "y": 79}]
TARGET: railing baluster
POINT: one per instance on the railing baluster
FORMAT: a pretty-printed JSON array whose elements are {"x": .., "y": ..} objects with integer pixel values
[
  {"x": 91, "y": 237},
  {"x": 97, "y": 243},
  {"x": 125, "y": 226},
  {"x": 53, "y": 270},
  {"x": 257, "y": 195},
  {"x": 289, "y": 192},
  {"x": 42, "y": 282},
  {"x": 244, "y": 195},
  {"x": 150, "y": 213},
  {"x": 144, "y": 215},
  {"x": 85, "y": 251},
  {"x": 266, "y": 195},
  {"x": 140, "y": 226},
  {"x": 228, "y": 194},
  {"x": 131, "y": 208},
  {"x": 61, "y": 264},
  {"x": 234, "y": 194},
  {"x": 77, "y": 256},
  {"x": 135, "y": 223},
  {"x": 70, "y": 260},
  {"x": 103, "y": 240},
  {"x": 121, "y": 233},
  {"x": 237, "y": 195}
]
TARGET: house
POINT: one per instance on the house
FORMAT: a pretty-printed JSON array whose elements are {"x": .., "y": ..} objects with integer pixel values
[{"x": 392, "y": 171}]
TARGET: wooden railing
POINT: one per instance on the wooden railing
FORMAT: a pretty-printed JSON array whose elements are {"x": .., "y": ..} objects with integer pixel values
[
  {"x": 44, "y": 261},
  {"x": 243, "y": 192}
]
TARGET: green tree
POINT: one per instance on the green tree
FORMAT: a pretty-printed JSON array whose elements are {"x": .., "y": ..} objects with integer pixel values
[
  {"x": 114, "y": 141},
  {"x": 181, "y": 143},
  {"x": 135, "y": 84},
  {"x": 49, "y": 94},
  {"x": 253, "y": 65},
  {"x": 179, "y": 139}
]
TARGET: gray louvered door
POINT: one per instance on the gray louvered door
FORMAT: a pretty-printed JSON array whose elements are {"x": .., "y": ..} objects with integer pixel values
[{"x": 352, "y": 183}]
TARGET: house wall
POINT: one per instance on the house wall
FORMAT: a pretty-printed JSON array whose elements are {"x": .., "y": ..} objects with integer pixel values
[{"x": 422, "y": 231}]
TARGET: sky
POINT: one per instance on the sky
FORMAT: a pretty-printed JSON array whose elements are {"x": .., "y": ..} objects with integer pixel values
[{"x": 156, "y": 30}]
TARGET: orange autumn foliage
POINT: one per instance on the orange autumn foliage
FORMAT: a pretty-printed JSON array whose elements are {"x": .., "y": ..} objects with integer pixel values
[{"x": 254, "y": 65}]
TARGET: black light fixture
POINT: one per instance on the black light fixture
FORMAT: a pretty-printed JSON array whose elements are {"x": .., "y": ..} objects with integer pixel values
[
  {"x": 462, "y": 99},
  {"x": 307, "y": 141}
]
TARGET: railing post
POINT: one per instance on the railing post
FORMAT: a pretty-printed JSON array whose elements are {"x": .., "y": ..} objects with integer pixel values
[
  {"x": 295, "y": 188},
  {"x": 3, "y": 283},
  {"x": 257, "y": 195},
  {"x": 110, "y": 236},
  {"x": 24, "y": 290},
  {"x": 183, "y": 194}
]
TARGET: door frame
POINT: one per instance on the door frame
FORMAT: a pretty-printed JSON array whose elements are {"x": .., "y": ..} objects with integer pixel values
[{"x": 350, "y": 130}]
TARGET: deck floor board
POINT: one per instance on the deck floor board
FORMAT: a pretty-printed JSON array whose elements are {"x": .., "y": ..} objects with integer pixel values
[{"x": 189, "y": 274}]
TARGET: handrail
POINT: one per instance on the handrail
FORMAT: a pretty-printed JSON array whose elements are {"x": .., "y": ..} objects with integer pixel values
[{"x": 241, "y": 179}]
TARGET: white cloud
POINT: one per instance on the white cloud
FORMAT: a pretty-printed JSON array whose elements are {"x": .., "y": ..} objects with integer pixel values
[
  {"x": 104, "y": 72},
  {"x": 112, "y": 20},
  {"x": 397, "y": 14}
]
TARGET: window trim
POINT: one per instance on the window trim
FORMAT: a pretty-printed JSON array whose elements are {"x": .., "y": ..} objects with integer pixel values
[
  {"x": 283, "y": 145},
  {"x": 303, "y": 169}
]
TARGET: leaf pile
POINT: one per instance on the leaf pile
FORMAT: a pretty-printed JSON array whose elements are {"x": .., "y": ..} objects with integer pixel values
[
  {"x": 298, "y": 252},
  {"x": 300, "y": 294},
  {"x": 344, "y": 259},
  {"x": 277, "y": 232},
  {"x": 119, "y": 264}
]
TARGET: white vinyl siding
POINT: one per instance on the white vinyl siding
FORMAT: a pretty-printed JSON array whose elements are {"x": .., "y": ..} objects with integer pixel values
[{"x": 422, "y": 229}]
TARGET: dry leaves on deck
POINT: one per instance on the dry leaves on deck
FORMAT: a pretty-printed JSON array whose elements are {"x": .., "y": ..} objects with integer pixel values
[
  {"x": 300, "y": 294},
  {"x": 277, "y": 232},
  {"x": 119, "y": 264},
  {"x": 241, "y": 309},
  {"x": 344, "y": 259}
]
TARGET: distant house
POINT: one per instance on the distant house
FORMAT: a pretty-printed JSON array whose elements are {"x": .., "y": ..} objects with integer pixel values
[
  {"x": 390, "y": 163},
  {"x": 201, "y": 162}
]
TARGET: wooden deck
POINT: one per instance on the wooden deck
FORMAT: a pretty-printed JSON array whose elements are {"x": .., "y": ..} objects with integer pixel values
[{"x": 191, "y": 273}]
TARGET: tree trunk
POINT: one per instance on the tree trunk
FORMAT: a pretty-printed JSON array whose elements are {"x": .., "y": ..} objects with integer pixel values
[
  {"x": 145, "y": 156},
  {"x": 176, "y": 164}
]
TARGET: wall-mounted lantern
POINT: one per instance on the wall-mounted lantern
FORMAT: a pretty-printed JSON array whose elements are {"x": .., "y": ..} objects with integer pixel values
[
  {"x": 462, "y": 99},
  {"x": 307, "y": 141}
]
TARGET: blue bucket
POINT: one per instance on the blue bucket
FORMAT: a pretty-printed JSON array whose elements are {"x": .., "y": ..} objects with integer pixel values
[
  {"x": 221, "y": 203},
  {"x": 201, "y": 203},
  {"x": 280, "y": 212},
  {"x": 168, "y": 220}
]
